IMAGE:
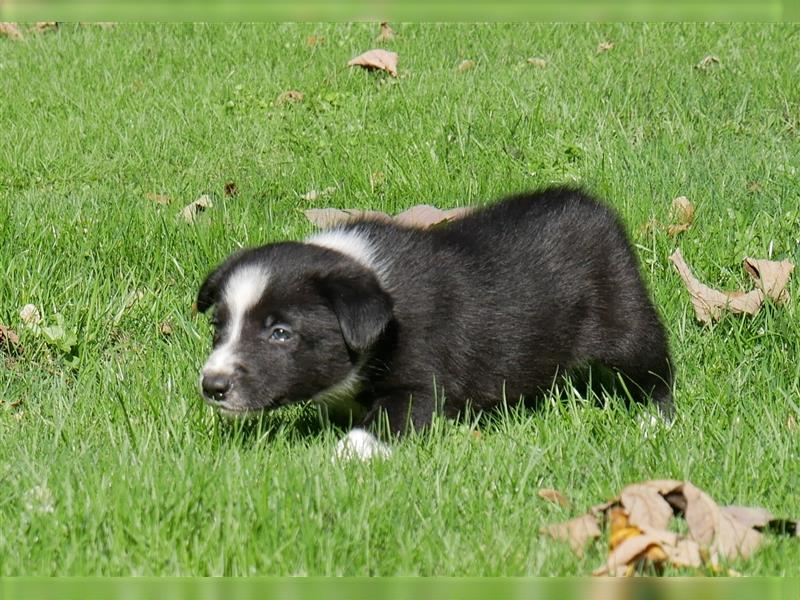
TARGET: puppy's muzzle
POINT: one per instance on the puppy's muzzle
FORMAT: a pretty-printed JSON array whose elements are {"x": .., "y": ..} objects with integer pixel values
[{"x": 216, "y": 386}]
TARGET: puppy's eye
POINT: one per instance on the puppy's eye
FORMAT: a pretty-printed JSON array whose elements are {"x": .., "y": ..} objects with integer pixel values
[{"x": 280, "y": 333}]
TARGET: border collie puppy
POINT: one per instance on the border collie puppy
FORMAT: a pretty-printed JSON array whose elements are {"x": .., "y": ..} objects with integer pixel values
[{"x": 377, "y": 321}]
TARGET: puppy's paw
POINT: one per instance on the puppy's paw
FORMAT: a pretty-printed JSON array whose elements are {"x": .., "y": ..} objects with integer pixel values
[
  {"x": 360, "y": 445},
  {"x": 651, "y": 424}
]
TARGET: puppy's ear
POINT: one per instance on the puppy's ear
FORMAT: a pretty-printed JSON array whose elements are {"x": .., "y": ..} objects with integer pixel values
[{"x": 363, "y": 308}]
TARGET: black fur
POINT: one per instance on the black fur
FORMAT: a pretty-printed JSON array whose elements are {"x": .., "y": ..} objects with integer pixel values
[{"x": 495, "y": 304}]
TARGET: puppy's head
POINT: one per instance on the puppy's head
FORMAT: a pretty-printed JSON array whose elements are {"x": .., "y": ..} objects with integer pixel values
[{"x": 290, "y": 322}]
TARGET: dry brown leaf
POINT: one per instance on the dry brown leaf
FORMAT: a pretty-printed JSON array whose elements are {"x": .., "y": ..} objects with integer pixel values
[
  {"x": 629, "y": 552},
  {"x": 770, "y": 276},
  {"x": 191, "y": 210},
  {"x": 720, "y": 531},
  {"x": 10, "y": 30},
  {"x": 290, "y": 96},
  {"x": 466, "y": 65},
  {"x": 9, "y": 341},
  {"x": 686, "y": 553},
  {"x": 158, "y": 198},
  {"x": 753, "y": 186},
  {"x": 165, "y": 329},
  {"x": 663, "y": 486},
  {"x": 315, "y": 40},
  {"x": 313, "y": 195},
  {"x": 230, "y": 189},
  {"x": 707, "y": 62},
  {"x": 554, "y": 496},
  {"x": 30, "y": 315},
  {"x": 604, "y": 47},
  {"x": 645, "y": 506},
  {"x": 423, "y": 215},
  {"x": 44, "y": 26},
  {"x": 709, "y": 303},
  {"x": 673, "y": 230},
  {"x": 325, "y": 218},
  {"x": 791, "y": 423},
  {"x": 752, "y": 516},
  {"x": 377, "y": 58},
  {"x": 386, "y": 34},
  {"x": 576, "y": 532},
  {"x": 537, "y": 62}
]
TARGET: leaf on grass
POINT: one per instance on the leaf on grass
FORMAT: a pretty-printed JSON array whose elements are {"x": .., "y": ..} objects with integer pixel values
[
  {"x": 30, "y": 315},
  {"x": 466, "y": 65},
  {"x": 681, "y": 215},
  {"x": 325, "y": 218},
  {"x": 289, "y": 96},
  {"x": 45, "y": 26},
  {"x": 315, "y": 40},
  {"x": 425, "y": 215},
  {"x": 707, "y": 62},
  {"x": 645, "y": 506},
  {"x": 230, "y": 189},
  {"x": 190, "y": 211},
  {"x": 158, "y": 198},
  {"x": 537, "y": 62},
  {"x": 314, "y": 195},
  {"x": 770, "y": 276},
  {"x": 386, "y": 34},
  {"x": 377, "y": 58},
  {"x": 11, "y": 31},
  {"x": 604, "y": 47},
  {"x": 9, "y": 341},
  {"x": 709, "y": 304},
  {"x": 577, "y": 532},
  {"x": 165, "y": 329},
  {"x": 554, "y": 496}
]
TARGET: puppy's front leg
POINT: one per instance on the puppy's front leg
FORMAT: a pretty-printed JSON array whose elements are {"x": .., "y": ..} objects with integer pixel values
[{"x": 401, "y": 413}]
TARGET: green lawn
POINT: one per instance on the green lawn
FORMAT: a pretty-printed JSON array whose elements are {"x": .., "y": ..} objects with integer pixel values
[{"x": 109, "y": 461}]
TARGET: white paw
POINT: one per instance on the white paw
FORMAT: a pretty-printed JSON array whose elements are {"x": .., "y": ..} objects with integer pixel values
[
  {"x": 361, "y": 445},
  {"x": 651, "y": 424}
]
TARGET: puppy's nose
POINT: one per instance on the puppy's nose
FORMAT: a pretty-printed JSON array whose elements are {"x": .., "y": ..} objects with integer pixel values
[{"x": 216, "y": 386}]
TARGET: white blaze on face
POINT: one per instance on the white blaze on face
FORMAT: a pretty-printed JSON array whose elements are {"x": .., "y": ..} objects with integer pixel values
[{"x": 242, "y": 292}]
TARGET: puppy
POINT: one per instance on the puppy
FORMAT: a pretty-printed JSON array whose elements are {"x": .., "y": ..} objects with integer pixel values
[{"x": 375, "y": 321}]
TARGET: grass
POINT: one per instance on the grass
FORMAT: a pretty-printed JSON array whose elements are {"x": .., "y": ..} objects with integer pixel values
[{"x": 109, "y": 462}]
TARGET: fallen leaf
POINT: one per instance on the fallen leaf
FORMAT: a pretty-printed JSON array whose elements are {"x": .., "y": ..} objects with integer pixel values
[
  {"x": 11, "y": 31},
  {"x": 629, "y": 552},
  {"x": 686, "y": 553},
  {"x": 44, "y": 26},
  {"x": 424, "y": 215},
  {"x": 231, "y": 189},
  {"x": 386, "y": 34},
  {"x": 165, "y": 329},
  {"x": 30, "y": 315},
  {"x": 158, "y": 198},
  {"x": 709, "y": 303},
  {"x": 466, "y": 65},
  {"x": 753, "y": 186},
  {"x": 577, "y": 532},
  {"x": 770, "y": 276},
  {"x": 681, "y": 215},
  {"x": 190, "y": 211},
  {"x": 383, "y": 60},
  {"x": 604, "y": 47},
  {"x": 9, "y": 341},
  {"x": 720, "y": 531},
  {"x": 707, "y": 62},
  {"x": 750, "y": 516},
  {"x": 476, "y": 435},
  {"x": 313, "y": 195},
  {"x": 645, "y": 506},
  {"x": 791, "y": 423},
  {"x": 314, "y": 40},
  {"x": 554, "y": 496},
  {"x": 290, "y": 96},
  {"x": 539, "y": 63},
  {"x": 325, "y": 218}
]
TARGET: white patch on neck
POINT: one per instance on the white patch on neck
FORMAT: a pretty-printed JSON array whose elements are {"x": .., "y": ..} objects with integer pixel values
[
  {"x": 242, "y": 292},
  {"x": 349, "y": 242},
  {"x": 339, "y": 399}
]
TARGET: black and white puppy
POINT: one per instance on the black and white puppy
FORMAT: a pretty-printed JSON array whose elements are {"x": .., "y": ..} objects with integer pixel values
[{"x": 377, "y": 321}]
